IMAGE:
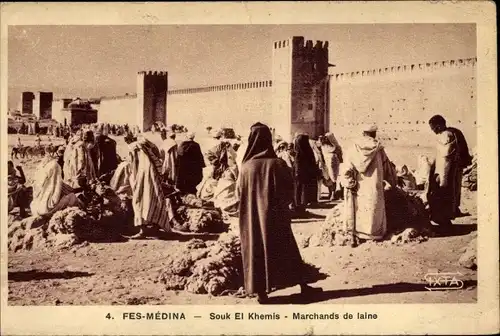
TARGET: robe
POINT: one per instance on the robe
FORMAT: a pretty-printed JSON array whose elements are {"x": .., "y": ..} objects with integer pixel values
[
  {"x": 148, "y": 200},
  {"x": 220, "y": 185},
  {"x": 306, "y": 173},
  {"x": 225, "y": 196},
  {"x": 271, "y": 257},
  {"x": 120, "y": 182},
  {"x": 464, "y": 160},
  {"x": 442, "y": 187},
  {"x": 332, "y": 154},
  {"x": 366, "y": 167},
  {"x": 190, "y": 164},
  {"x": 169, "y": 154},
  {"x": 48, "y": 188},
  {"x": 16, "y": 191},
  {"x": 78, "y": 163},
  {"x": 107, "y": 160}
]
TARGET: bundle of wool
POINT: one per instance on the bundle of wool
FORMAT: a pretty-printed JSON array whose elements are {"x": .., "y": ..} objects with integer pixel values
[
  {"x": 405, "y": 210},
  {"x": 102, "y": 218},
  {"x": 65, "y": 229},
  {"x": 206, "y": 269},
  {"x": 199, "y": 220},
  {"x": 407, "y": 221}
]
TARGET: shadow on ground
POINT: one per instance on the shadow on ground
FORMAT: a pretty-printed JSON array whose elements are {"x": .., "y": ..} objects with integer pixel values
[
  {"x": 306, "y": 216},
  {"x": 395, "y": 288},
  {"x": 186, "y": 236},
  {"x": 455, "y": 230},
  {"x": 34, "y": 275}
]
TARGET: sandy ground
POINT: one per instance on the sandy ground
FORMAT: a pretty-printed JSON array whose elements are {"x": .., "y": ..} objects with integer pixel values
[{"x": 126, "y": 273}]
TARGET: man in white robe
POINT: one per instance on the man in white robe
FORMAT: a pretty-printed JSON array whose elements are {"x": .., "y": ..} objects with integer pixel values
[
  {"x": 169, "y": 154},
  {"x": 366, "y": 173}
]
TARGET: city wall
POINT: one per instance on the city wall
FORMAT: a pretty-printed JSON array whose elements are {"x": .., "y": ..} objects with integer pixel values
[
  {"x": 234, "y": 105},
  {"x": 118, "y": 110},
  {"x": 401, "y": 100}
]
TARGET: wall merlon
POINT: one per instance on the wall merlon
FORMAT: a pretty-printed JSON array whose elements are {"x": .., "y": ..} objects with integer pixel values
[
  {"x": 219, "y": 88},
  {"x": 425, "y": 67},
  {"x": 298, "y": 42}
]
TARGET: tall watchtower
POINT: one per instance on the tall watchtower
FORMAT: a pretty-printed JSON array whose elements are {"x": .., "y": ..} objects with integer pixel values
[
  {"x": 42, "y": 105},
  {"x": 27, "y": 102},
  {"x": 300, "y": 87},
  {"x": 152, "y": 90}
]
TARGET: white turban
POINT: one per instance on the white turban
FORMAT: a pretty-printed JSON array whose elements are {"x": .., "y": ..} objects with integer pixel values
[{"x": 369, "y": 128}]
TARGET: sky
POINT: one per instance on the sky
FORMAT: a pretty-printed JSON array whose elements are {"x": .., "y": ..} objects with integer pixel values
[{"x": 94, "y": 61}]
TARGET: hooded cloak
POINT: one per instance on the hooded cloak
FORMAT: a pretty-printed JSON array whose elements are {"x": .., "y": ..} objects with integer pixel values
[{"x": 271, "y": 258}]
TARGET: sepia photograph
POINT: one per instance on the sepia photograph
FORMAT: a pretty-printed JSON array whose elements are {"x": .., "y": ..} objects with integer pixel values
[{"x": 241, "y": 164}]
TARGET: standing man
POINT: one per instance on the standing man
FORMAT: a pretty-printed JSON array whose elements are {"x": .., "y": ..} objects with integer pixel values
[
  {"x": 190, "y": 166},
  {"x": 445, "y": 181},
  {"x": 169, "y": 151},
  {"x": 366, "y": 173},
  {"x": 107, "y": 158}
]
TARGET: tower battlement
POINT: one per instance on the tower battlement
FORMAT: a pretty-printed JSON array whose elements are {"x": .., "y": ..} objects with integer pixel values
[
  {"x": 153, "y": 73},
  {"x": 300, "y": 72}
]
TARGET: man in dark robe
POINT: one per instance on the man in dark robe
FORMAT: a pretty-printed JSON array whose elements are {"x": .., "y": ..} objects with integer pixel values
[
  {"x": 306, "y": 174},
  {"x": 445, "y": 180},
  {"x": 271, "y": 257},
  {"x": 190, "y": 166},
  {"x": 464, "y": 161},
  {"x": 107, "y": 160}
]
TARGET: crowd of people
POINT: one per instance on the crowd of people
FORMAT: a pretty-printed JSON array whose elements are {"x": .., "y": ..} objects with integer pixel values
[{"x": 264, "y": 181}]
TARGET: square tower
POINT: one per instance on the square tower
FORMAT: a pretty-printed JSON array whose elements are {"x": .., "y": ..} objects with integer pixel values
[
  {"x": 27, "y": 102},
  {"x": 300, "y": 87},
  {"x": 42, "y": 105},
  {"x": 152, "y": 90}
]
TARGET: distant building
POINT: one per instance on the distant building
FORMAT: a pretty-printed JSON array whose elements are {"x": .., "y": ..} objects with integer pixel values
[{"x": 76, "y": 112}]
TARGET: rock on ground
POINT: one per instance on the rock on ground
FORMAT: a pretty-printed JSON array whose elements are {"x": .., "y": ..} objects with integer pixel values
[{"x": 469, "y": 257}]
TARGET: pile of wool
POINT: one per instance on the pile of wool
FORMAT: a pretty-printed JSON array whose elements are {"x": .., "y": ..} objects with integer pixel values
[
  {"x": 407, "y": 216},
  {"x": 206, "y": 268},
  {"x": 332, "y": 232},
  {"x": 407, "y": 221},
  {"x": 214, "y": 268},
  {"x": 102, "y": 217},
  {"x": 199, "y": 220},
  {"x": 468, "y": 259},
  {"x": 65, "y": 229},
  {"x": 469, "y": 179},
  {"x": 198, "y": 216}
]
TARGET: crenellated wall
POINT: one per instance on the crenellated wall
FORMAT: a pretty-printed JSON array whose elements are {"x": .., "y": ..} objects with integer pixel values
[
  {"x": 303, "y": 97},
  {"x": 401, "y": 99},
  {"x": 234, "y": 105}
]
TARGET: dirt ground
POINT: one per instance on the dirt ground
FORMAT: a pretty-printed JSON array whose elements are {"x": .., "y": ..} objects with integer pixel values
[{"x": 126, "y": 273}]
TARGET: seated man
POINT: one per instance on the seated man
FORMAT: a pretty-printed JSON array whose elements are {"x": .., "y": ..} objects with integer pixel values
[{"x": 17, "y": 192}]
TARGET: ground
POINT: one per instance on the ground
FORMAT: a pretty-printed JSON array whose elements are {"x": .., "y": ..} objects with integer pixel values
[{"x": 126, "y": 273}]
